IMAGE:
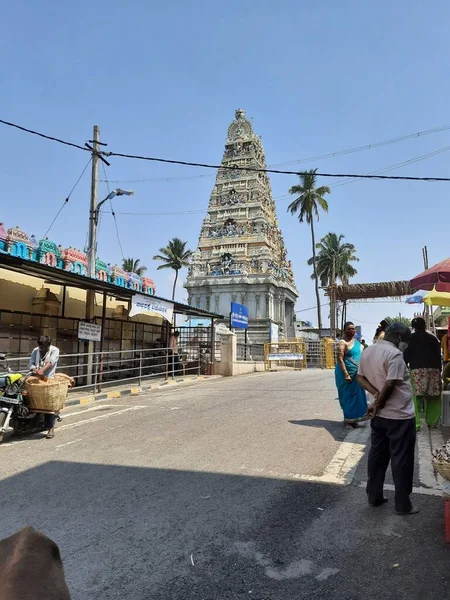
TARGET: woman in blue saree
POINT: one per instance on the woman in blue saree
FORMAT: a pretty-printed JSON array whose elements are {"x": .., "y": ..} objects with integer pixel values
[{"x": 352, "y": 397}]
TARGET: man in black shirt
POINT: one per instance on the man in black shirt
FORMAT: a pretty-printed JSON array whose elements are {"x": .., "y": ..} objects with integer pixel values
[{"x": 423, "y": 356}]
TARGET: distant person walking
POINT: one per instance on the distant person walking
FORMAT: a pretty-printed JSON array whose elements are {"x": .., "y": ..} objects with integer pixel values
[
  {"x": 352, "y": 397},
  {"x": 423, "y": 356},
  {"x": 379, "y": 333},
  {"x": 383, "y": 373},
  {"x": 173, "y": 347}
]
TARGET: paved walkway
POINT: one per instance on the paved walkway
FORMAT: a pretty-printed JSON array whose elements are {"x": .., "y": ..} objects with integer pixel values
[{"x": 235, "y": 488}]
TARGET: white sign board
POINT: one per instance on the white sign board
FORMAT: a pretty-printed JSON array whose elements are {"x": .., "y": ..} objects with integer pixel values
[
  {"x": 274, "y": 332},
  {"x": 89, "y": 331},
  {"x": 146, "y": 305},
  {"x": 286, "y": 356}
]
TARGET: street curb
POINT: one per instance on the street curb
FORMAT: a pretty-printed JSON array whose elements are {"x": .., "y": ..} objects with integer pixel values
[{"x": 133, "y": 391}]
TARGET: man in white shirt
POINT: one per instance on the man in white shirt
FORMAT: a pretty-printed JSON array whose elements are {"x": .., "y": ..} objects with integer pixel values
[{"x": 383, "y": 373}]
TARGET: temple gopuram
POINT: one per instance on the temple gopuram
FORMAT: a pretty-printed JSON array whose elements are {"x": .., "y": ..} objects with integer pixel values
[{"x": 241, "y": 256}]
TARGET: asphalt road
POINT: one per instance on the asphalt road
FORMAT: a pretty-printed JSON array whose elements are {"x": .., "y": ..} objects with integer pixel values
[{"x": 226, "y": 489}]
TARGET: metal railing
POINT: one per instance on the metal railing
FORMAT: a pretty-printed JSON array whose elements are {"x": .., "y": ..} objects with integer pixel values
[
  {"x": 92, "y": 371},
  {"x": 253, "y": 352}
]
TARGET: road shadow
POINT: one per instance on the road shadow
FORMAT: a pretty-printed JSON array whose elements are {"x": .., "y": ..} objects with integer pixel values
[
  {"x": 335, "y": 428},
  {"x": 141, "y": 533}
]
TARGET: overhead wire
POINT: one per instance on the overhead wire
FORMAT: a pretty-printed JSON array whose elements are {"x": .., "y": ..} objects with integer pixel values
[
  {"x": 301, "y": 160},
  {"x": 397, "y": 165},
  {"x": 114, "y": 215},
  {"x": 234, "y": 168},
  {"x": 67, "y": 198},
  {"x": 366, "y": 147},
  {"x": 43, "y": 135}
]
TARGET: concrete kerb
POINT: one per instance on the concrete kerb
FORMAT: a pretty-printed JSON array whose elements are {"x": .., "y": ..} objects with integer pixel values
[{"x": 114, "y": 394}]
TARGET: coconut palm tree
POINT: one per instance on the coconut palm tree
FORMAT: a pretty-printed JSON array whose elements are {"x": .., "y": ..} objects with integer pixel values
[
  {"x": 174, "y": 256},
  {"x": 307, "y": 204},
  {"x": 333, "y": 260},
  {"x": 131, "y": 265}
]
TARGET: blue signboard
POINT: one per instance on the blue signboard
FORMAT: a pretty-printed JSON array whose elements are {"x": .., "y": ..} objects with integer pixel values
[{"x": 239, "y": 316}]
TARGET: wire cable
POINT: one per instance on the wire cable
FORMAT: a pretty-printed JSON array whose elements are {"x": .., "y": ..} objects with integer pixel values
[
  {"x": 113, "y": 214},
  {"x": 366, "y": 147},
  {"x": 43, "y": 135},
  {"x": 301, "y": 160},
  {"x": 67, "y": 198},
  {"x": 398, "y": 165},
  {"x": 234, "y": 168}
]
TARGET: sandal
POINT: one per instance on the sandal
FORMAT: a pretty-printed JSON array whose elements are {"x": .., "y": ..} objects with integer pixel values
[{"x": 50, "y": 435}]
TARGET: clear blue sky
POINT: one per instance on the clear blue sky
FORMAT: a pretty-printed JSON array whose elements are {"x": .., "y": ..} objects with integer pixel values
[{"x": 164, "y": 78}]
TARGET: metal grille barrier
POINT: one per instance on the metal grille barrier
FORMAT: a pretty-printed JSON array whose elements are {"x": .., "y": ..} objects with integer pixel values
[
  {"x": 253, "y": 352},
  {"x": 317, "y": 354},
  {"x": 92, "y": 371},
  {"x": 285, "y": 355}
]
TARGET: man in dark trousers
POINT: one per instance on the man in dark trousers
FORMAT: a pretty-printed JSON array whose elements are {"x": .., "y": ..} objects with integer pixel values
[{"x": 383, "y": 373}]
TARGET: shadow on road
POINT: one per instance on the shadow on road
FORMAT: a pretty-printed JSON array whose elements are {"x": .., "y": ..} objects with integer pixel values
[
  {"x": 143, "y": 533},
  {"x": 334, "y": 428}
]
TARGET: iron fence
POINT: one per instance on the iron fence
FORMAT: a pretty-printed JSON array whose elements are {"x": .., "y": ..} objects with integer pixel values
[
  {"x": 94, "y": 370},
  {"x": 253, "y": 352}
]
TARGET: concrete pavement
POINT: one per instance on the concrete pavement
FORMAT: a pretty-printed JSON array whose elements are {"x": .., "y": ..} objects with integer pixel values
[{"x": 244, "y": 487}]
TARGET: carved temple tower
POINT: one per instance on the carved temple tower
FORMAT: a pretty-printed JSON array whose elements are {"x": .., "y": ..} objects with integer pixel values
[{"x": 241, "y": 255}]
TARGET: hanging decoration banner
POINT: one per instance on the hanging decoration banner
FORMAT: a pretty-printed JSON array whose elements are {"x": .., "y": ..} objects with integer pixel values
[{"x": 145, "y": 305}]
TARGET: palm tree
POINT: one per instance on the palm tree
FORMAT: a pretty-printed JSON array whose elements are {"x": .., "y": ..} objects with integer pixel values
[
  {"x": 174, "y": 256},
  {"x": 130, "y": 265},
  {"x": 309, "y": 200},
  {"x": 333, "y": 260}
]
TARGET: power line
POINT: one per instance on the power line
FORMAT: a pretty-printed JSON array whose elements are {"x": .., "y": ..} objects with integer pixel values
[
  {"x": 67, "y": 198},
  {"x": 182, "y": 212},
  {"x": 383, "y": 170},
  {"x": 398, "y": 165},
  {"x": 301, "y": 160},
  {"x": 113, "y": 214},
  {"x": 366, "y": 147},
  {"x": 235, "y": 168},
  {"x": 276, "y": 171},
  {"x": 158, "y": 179},
  {"x": 43, "y": 135},
  {"x": 311, "y": 308}
]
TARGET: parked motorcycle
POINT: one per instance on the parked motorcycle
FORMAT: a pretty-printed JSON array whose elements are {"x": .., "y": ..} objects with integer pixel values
[{"x": 14, "y": 409}]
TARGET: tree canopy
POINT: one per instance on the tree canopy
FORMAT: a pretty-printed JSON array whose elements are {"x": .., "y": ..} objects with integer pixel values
[
  {"x": 131, "y": 265},
  {"x": 174, "y": 256},
  {"x": 333, "y": 260}
]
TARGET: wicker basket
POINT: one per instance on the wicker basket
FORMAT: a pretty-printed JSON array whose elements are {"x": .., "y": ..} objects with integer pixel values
[
  {"x": 443, "y": 468},
  {"x": 47, "y": 395}
]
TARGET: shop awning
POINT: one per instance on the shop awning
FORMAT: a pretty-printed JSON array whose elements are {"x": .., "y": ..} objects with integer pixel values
[
  {"x": 436, "y": 277},
  {"x": 53, "y": 276}
]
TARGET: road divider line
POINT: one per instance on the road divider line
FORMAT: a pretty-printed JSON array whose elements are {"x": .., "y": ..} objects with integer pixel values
[
  {"x": 99, "y": 418},
  {"x": 342, "y": 467},
  {"x": 69, "y": 443},
  {"x": 93, "y": 408}
]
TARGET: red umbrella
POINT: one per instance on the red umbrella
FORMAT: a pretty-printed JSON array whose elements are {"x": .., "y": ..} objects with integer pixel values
[{"x": 437, "y": 276}]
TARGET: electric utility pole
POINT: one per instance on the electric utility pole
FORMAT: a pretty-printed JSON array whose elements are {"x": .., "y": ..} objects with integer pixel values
[{"x": 92, "y": 239}]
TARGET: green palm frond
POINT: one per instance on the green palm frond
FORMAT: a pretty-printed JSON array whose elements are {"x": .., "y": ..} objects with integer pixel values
[
  {"x": 174, "y": 256},
  {"x": 334, "y": 258},
  {"x": 131, "y": 265}
]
